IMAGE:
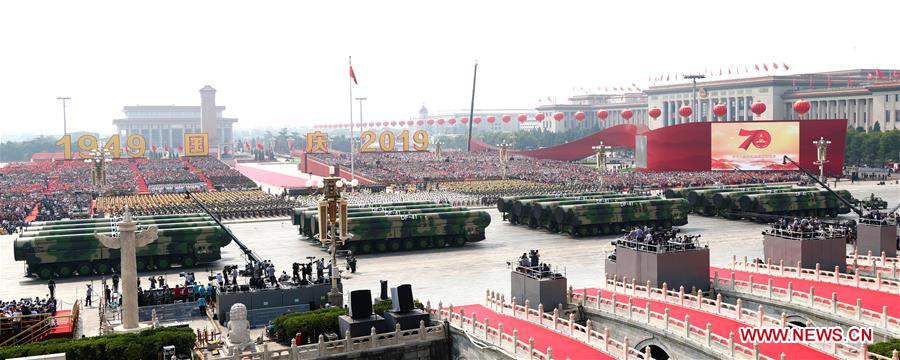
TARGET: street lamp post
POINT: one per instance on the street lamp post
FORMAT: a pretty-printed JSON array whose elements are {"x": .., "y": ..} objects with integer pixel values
[
  {"x": 822, "y": 147},
  {"x": 504, "y": 156},
  {"x": 98, "y": 171},
  {"x": 64, "y": 99},
  {"x": 437, "y": 148},
  {"x": 333, "y": 215},
  {"x": 693, "y": 78},
  {"x": 353, "y": 140},
  {"x": 600, "y": 151}
]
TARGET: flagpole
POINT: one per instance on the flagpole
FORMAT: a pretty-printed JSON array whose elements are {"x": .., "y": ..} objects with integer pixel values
[
  {"x": 472, "y": 109},
  {"x": 352, "y": 143}
]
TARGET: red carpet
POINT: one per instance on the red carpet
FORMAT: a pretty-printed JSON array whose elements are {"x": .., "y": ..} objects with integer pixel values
[
  {"x": 720, "y": 326},
  {"x": 871, "y": 299},
  {"x": 142, "y": 184},
  {"x": 271, "y": 177},
  {"x": 63, "y": 327},
  {"x": 563, "y": 347},
  {"x": 199, "y": 173}
]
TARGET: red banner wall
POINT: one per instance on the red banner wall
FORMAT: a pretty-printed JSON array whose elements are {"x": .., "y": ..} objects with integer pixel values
[
  {"x": 687, "y": 147},
  {"x": 616, "y": 136}
]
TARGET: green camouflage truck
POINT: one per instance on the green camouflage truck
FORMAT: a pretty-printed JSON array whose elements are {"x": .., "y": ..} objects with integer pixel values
[
  {"x": 728, "y": 206},
  {"x": 107, "y": 222},
  {"x": 701, "y": 200},
  {"x": 303, "y": 216},
  {"x": 70, "y": 254},
  {"x": 517, "y": 209},
  {"x": 389, "y": 233},
  {"x": 612, "y": 217},
  {"x": 542, "y": 211},
  {"x": 817, "y": 202},
  {"x": 311, "y": 231},
  {"x": 38, "y": 232}
]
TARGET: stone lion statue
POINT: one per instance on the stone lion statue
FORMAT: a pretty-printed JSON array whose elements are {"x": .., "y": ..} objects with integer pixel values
[{"x": 239, "y": 327}]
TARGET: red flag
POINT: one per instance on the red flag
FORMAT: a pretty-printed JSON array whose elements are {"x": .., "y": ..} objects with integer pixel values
[
  {"x": 291, "y": 146},
  {"x": 729, "y": 71},
  {"x": 775, "y": 66},
  {"x": 869, "y": 76},
  {"x": 247, "y": 145},
  {"x": 766, "y": 67},
  {"x": 260, "y": 146},
  {"x": 166, "y": 147},
  {"x": 879, "y": 74},
  {"x": 353, "y": 75},
  {"x": 180, "y": 147},
  {"x": 720, "y": 71},
  {"x": 153, "y": 148},
  {"x": 849, "y": 81},
  {"x": 786, "y": 67},
  {"x": 756, "y": 66}
]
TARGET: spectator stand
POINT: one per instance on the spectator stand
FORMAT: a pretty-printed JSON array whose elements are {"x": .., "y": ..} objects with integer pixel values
[{"x": 26, "y": 329}]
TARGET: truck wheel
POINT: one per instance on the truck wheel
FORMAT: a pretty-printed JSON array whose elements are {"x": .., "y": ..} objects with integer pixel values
[
  {"x": 439, "y": 242},
  {"x": 65, "y": 270},
  {"x": 424, "y": 243},
  {"x": 394, "y": 245},
  {"x": 353, "y": 247},
  {"x": 102, "y": 267},
  {"x": 366, "y": 247},
  {"x": 45, "y": 272},
  {"x": 84, "y": 269},
  {"x": 163, "y": 263},
  {"x": 409, "y": 244},
  {"x": 381, "y": 246},
  {"x": 188, "y": 261},
  {"x": 140, "y": 264},
  {"x": 460, "y": 241}
]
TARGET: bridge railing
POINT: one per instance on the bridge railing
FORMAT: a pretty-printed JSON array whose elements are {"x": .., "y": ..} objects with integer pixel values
[
  {"x": 717, "y": 307},
  {"x": 854, "y": 313},
  {"x": 566, "y": 327},
  {"x": 888, "y": 267},
  {"x": 482, "y": 330},
  {"x": 856, "y": 279}
]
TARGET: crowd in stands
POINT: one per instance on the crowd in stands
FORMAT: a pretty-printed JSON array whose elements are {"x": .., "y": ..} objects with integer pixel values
[
  {"x": 657, "y": 240},
  {"x": 222, "y": 175},
  {"x": 405, "y": 168},
  {"x": 161, "y": 293},
  {"x": 365, "y": 197},
  {"x": 16, "y": 315},
  {"x": 226, "y": 204},
  {"x": 167, "y": 171},
  {"x": 487, "y": 192},
  {"x": 804, "y": 228}
]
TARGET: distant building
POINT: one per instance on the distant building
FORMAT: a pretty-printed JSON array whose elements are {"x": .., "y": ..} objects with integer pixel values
[
  {"x": 590, "y": 104},
  {"x": 166, "y": 125}
]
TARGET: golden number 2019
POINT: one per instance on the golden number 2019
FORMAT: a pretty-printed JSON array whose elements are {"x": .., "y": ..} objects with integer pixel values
[{"x": 387, "y": 141}]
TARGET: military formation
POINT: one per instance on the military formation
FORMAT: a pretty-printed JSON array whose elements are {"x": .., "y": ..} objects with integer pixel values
[
  {"x": 762, "y": 203},
  {"x": 400, "y": 226},
  {"x": 224, "y": 204},
  {"x": 593, "y": 213},
  {"x": 66, "y": 248}
]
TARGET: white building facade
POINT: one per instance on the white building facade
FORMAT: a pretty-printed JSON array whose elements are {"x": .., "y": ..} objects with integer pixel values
[{"x": 166, "y": 125}]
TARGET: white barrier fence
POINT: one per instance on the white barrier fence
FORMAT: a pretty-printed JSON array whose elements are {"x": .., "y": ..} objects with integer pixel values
[
  {"x": 328, "y": 348},
  {"x": 736, "y": 312},
  {"x": 872, "y": 265},
  {"x": 854, "y": 313},
  {"x": 495, "y": 336},
  {"x": 876, "y": 283}
]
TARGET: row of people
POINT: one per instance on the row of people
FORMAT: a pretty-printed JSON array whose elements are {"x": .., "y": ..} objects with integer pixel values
[
  {"x": 227, "y": 204},
  {"x": 223, "y": 176},
  {"x": 16, "y": 315}
]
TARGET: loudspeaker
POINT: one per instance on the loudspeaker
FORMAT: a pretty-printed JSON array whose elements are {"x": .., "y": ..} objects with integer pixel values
[
  {"x": 360, "y": 304},
  {"x": 402, "y": 298},
  {"x": 384, "y": 290}
]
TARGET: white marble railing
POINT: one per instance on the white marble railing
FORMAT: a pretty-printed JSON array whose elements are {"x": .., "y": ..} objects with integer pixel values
[
  {"x": 566, "y": 327},
  {"x": 888, "y": 267},
  {"x": 736, "y": 311},
  {"x": 854, "y": 313},
  {"x": 482, "y": 330},
  {"x": 328, "y": 348},
  {"x": 876, "y": 283}
]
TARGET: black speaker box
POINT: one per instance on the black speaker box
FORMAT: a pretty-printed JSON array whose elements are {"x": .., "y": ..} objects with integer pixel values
[
  {"x": 360, "y": 304},
  {"x": 402, "y": 298}
]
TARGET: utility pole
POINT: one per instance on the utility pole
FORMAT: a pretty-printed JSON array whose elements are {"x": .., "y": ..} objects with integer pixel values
[
  {"x": 694, "y": 107},
  {"x": 353, "y": 140},
  {"x": 472, "y": 109},
  {"x": 64, "y": 99}
]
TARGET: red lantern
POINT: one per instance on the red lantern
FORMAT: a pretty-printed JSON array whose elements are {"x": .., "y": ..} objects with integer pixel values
[
  {"x": 476, "y": 120},
  {"x": 491, "y": 119},
  {"x": 506, "y": 118},
  {"x": 685, "y": 111},
  {"x": 393, "y": 123},
  {"x": 801, "y": 107},
  {"x": 522, "y": 118},
  {"x": 627, "y": 114},
  {"x": 655, "y": 112},
  {"x": 558, "y": 116},
  {"x": 602, "y": 115},
  {"x": 579, "y": 115},
  {"x": 451, "y": 121},
  {"x": 720, "y": 110},
  {"x": 430, "y": 122},
  {"x": 539, "y": 117},
  {"x": 440, "y": 121},
  {"x": 410, "y": 122},
  {"x": 463, "y": 120},
  {"x": 758, "y": 108},
  {"x": 420, "y": 122}
]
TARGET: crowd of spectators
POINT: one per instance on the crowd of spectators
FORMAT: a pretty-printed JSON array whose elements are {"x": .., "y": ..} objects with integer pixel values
[
  {"x": 406, "y": 168},
  {"x": 16, "y": 315},
  {"x": 366, "y": 197},
  {"x": 805, "y": 228},
  {"x": 223, "y": 176},
  {"x": 657, "y": 240},
  {"x": 167, "y": 171}
]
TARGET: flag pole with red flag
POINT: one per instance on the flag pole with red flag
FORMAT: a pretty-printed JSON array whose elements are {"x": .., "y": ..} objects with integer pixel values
[{"x": 352, "y": 143}]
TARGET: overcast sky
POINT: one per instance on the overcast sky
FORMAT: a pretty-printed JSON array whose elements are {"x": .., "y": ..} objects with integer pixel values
[{"x": 285, "y": 63}]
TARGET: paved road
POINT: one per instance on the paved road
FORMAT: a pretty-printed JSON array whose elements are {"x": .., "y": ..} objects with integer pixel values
[{"x": 452, "y": 275}]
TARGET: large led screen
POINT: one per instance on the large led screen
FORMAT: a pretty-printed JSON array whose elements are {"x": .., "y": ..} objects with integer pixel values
[{"x": 754, "y": 146}]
